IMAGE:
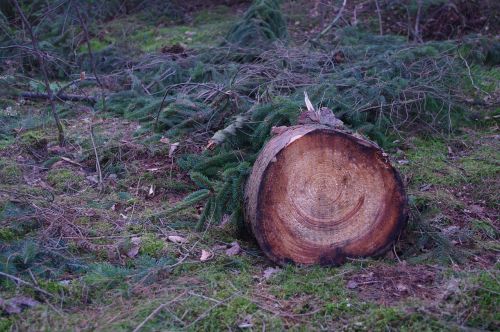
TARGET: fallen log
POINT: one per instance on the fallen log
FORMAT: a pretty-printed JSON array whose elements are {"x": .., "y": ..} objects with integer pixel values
[
  {"x": 318, "y": 195},
  {"x": 64, "y": 97}
]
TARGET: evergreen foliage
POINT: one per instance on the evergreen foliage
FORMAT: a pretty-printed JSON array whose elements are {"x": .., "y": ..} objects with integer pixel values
[{"x": 262, "y": 22}]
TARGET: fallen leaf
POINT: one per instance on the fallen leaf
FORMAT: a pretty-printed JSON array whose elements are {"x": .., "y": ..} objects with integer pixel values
[
  {"x": 93, "y": 179},
  {"x": 278, "y": 130},
  {"x": 134, "y": 250},
  {"x": 177, "y": 239},
  {"x": 173, "y": 147},
  {"x": 165, "y": 140},
  {"x": 308, "y": 103},
  {"x": 151, "y": 191},
  {"x": 211, "y": 144},
  {"x": 206, "y": 255},
  {"x": 268, "y": 273},
  {"x": 17, "y": 304},
  {"x": 425, "y": 187},
  {"x": 225, "y": 219},
  {"x": 234, "y": 250},
  {"x": 403, "y": 162},
  {"x": 246, "y": 323},
  {"x": 219, "y": 247},
  {"x": 71, "y": 161},
  {"x": 401, "y": 288},
  {"x": 352, "y": 284}
]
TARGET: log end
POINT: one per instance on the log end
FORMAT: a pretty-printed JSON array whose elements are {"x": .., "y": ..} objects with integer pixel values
[{"x": 318, "y": 195}]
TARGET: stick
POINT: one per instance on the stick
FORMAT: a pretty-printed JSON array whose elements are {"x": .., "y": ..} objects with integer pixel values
[
  {"x": 41, "y": 59},
  {"x": 65, "y": 97},
  {"x": 328, "y": 28},
  {"x": 91, "y": 56},
  {"x": 151, "y": 315},
  {"x": 418, "y": 37},
  {"x": 379, "y": 18},
  {"x": 97, "y": 162},
  {"x": 21, "y": 281}
]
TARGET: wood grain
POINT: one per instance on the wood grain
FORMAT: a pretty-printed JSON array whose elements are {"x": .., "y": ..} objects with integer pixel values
[{"x": 317, "y": 195}]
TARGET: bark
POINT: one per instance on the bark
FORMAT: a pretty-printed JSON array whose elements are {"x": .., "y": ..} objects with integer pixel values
[{"x": 318, "y": 195}]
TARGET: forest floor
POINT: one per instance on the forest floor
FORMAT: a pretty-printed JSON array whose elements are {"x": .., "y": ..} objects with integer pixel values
[{"x": 116, "y": 264}]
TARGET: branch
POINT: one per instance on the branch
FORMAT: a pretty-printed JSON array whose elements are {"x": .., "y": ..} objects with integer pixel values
[
  {"x": 379, "y": 14},
  {"x": 65, "y": 97},
  {"x": 330, "y": 26},
  {"x": 91, "y": 56},
  {"x": 41, "y": 59},
  {"x": 25, "y": 283}
]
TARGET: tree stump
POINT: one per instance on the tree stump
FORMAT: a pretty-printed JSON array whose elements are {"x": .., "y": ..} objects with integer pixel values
[{"x": 318, "y": 195}]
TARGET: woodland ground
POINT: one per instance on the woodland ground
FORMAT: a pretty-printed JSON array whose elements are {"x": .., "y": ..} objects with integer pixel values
[{"x": 109, "y": 259}]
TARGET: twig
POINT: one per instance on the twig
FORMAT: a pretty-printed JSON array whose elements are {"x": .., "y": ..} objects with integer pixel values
[
  {"x": 91, "y": 56},
  {"x": 205, "y": 314},
  {"x": 418, "y": 37},
  {"x": 97, "y": 162},
  {"x": 21, "y": 281},
  {"x": 78, "y": 80},
  {"x": 379, "y": 14},
  {"x": 41, "y": 59},
  {"x": 330, "y": 26},
  {"x": 158, "y": 309}
]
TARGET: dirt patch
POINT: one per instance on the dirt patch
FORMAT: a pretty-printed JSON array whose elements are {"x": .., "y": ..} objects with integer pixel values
[{"x": 387, "y": 285}]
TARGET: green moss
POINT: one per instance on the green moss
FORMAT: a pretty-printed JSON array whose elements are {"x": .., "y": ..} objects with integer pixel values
[
  {"x": 215, "y": 14},
  {"x": 381, "y": 318},
  {"x": 325, "y": 283},
  {"x": 7, "y": 234},
  {"x": 480, "y": 164},
  {"x": 476, "y": 302},
  {"x": 428, "y": 164},
  {"x": 64, "y": 180},
  {"x": 151, "y": 245},
  {"x": 33, "y": 138},
  {"x": 10, "y": 173},
  {"x": 5, "y": 324}
]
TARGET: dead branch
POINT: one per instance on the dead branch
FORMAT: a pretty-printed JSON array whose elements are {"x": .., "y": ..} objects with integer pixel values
[
  {"x": 91, "y": 56},
  {"x": 25, "y": 283},
  {"x": 331, "y": 25},
  {"x": 63, "y": 97},
  {"x": 43, "y": 67},
  {"x": 97, "y": 162},
  {"x": 379, "y": 14}
]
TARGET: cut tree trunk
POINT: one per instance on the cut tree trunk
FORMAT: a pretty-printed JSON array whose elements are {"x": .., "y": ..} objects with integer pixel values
[{"x": 319, "y": 195}]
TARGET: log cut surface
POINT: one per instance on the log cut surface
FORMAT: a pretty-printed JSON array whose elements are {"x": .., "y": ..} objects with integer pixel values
[{"x": 319, "y": 195}]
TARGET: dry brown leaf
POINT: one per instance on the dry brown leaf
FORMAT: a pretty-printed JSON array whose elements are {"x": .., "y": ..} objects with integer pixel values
[
  {"x": 352, "y": 284},
  {"x": 211, "y": 145},
  {"x": 234, "y": 250},
  {"x": 268, "y": 273},
  {"x": 17, "y": 304},
  {"x": 177, "y": 239},
  {"x": 134, "y": 250},
  {"x": 165, "y": 140},
  {"x": 206, "y": 255},
  {"x": 173, "y": 147}
]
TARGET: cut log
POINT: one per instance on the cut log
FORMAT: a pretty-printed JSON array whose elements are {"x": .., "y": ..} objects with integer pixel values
[{"x": 318, "y": 195}]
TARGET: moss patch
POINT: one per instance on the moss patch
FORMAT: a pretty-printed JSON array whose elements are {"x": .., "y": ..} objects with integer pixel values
[
  {"x": 64, "y": 180},
  {"x": 151, "y": 245},
  {"x": 10, "y": 173}
]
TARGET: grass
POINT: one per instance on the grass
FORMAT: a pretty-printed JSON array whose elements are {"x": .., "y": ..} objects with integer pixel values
[{"x": 207, "y": 28}]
